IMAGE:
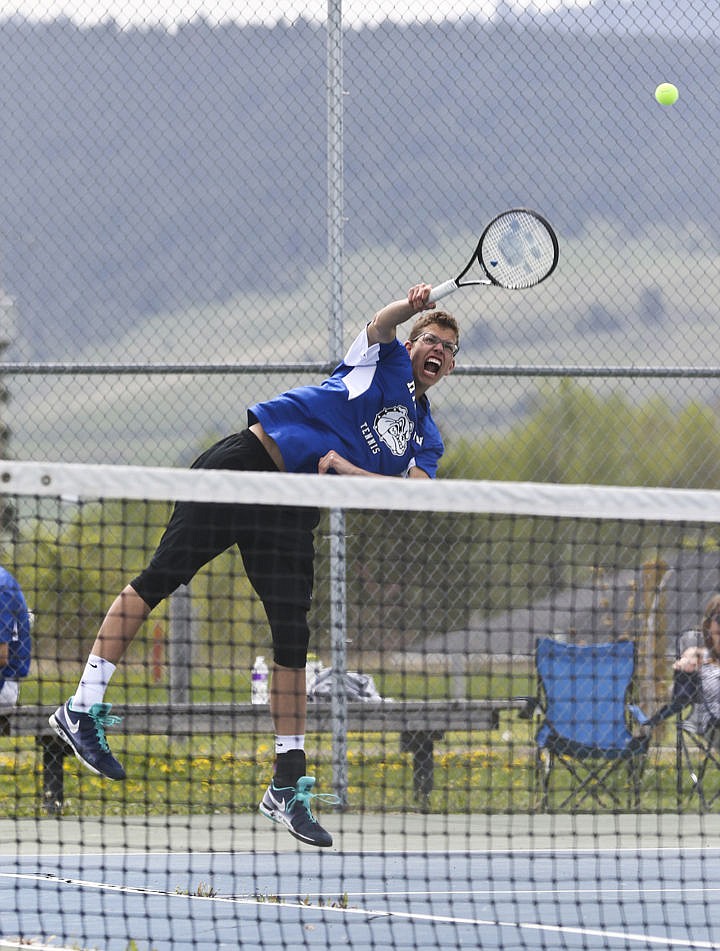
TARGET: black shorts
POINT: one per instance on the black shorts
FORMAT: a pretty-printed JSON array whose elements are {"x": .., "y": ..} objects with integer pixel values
[{"x": 276, "y": 543}]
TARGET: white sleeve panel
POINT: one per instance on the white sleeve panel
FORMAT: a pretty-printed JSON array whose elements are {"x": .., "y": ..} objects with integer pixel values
[{"x": 362, "y": 357}]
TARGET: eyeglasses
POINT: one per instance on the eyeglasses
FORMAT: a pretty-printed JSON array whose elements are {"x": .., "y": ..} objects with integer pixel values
[{"x": 432, "y": 341}]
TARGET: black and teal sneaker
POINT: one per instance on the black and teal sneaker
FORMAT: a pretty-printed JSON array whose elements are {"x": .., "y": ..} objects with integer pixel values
[
  {"x": 290, "y": 806},
  {"x": 84, "y": 733}
]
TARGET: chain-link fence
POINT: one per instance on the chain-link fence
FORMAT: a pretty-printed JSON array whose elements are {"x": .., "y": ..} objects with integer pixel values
[{"x": 200, "y": 208}]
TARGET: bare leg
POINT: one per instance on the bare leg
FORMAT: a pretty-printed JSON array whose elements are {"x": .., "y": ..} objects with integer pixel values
[
  {"x": 81, "y": 721},
  {"x": 121, "y": 624},
  {"x": 288, "y": 701}
]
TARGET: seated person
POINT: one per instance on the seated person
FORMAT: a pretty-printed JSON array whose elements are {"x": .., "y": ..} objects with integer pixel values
[
  {"x": 697, "y": 676},
  {"x": 14, "y": 640}
]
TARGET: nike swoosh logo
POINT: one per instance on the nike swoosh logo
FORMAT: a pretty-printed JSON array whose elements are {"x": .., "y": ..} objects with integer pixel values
[
  {"x": 74, "y": 727},
  {"x": 279, "y": 804},
  {"x": 94, "y": 665}
]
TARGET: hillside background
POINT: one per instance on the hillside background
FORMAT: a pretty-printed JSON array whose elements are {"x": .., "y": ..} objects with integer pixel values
[{"x": 163, "y": 200}]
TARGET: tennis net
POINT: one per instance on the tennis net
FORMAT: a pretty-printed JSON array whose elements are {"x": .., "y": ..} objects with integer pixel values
[{"x": 483, "y": 661}]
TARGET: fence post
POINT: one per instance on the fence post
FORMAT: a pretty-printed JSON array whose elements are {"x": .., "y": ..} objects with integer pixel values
[
  {"x": 181, "y": 644},
  {"x": 335, "y": 211}
]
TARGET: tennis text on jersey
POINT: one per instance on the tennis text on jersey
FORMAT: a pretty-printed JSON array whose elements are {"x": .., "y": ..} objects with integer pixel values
[
  {"x": 394, "y": 428},
  {"x": 370, "y": 439}
]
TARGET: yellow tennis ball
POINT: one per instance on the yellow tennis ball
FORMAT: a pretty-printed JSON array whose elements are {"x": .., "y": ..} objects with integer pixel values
[{"x": 667, "y": 94}]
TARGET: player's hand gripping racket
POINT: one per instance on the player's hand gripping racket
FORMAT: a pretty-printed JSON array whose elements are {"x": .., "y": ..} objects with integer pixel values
[{"x": 517, "y": 249}]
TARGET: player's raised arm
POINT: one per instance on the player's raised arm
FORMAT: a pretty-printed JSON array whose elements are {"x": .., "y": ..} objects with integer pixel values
[{"x": 382, "y": 328}]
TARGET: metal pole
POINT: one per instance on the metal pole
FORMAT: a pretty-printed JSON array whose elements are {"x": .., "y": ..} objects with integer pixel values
[
  {"x": 335, "y": 220},
  {"x": 338, "y": 628},
  {"x": 181, "y": 645},
  {"x": 338, "y": 616}
]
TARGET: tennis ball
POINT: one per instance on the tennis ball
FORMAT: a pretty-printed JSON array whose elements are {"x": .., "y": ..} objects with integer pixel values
[{"x": 666, "y": 94}]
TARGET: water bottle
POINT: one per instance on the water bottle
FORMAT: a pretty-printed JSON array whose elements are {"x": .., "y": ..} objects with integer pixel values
[{"x": 259, "y": 681}]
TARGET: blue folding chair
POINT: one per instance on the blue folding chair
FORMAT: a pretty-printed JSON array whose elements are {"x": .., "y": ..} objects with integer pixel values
[{"x": 583, "y": 701}]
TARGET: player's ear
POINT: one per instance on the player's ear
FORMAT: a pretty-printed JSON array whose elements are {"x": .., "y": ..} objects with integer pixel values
[{"x": 408, "y": 345}]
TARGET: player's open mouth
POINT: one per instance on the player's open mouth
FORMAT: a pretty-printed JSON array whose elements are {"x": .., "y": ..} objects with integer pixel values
[{"x": 432, "y": 365}]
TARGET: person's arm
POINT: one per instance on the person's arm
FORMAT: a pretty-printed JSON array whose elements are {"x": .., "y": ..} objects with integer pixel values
[
  {"x": 333, "y": 462},
  {"x": 685, "y": 691},
  {"x": 417, "y": 473},
  {"x": 383, "y": 327},
  {"x": 4, "y": 655}
]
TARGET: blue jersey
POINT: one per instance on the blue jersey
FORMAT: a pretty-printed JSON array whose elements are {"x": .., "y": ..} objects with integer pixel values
[
  {"x": 366, "y": 411},
  {"x": 14, "y": 628}
]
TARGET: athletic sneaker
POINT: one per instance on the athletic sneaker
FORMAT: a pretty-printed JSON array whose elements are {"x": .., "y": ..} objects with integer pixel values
[
  {"x": 85, "y": 734},
  {"x": 290, "y": 806}
]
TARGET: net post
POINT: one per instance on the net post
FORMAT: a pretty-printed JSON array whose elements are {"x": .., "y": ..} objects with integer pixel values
[{"x": 180, "y": 644}]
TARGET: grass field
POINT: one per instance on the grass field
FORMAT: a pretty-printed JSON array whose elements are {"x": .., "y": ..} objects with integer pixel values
[{"x": 218, "y": 777}]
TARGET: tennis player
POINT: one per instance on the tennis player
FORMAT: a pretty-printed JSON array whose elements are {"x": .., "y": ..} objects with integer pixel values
[
  {"x": 371, "y": 416},
  {"x": 15, "y": 642}
]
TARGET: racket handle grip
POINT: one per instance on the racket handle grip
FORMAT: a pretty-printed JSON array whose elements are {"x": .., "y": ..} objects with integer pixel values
[{"x": 442, "y": 290}]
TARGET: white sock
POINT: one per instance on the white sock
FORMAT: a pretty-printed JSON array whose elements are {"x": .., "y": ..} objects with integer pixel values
[
  {"x": 93, "y": 683},
  {"x": 291, "y": 742}
]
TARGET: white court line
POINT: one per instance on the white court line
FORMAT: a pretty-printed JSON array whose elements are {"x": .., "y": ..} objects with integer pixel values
[
  {"x": 627, "y": 936},
  {"x": 32, "y": 945}
]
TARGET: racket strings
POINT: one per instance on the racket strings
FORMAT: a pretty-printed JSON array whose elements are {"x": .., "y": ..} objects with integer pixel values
[{"x": 518, "y": 250}]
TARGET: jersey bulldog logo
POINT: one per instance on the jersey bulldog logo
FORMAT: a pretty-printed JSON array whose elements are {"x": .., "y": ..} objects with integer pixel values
[{"x": 394, "y": 427}]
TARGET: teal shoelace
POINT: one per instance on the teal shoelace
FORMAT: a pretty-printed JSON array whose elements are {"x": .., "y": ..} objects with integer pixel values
[
  {"x": 101, "y": 721},
  {"x": 303, "y": 797}
]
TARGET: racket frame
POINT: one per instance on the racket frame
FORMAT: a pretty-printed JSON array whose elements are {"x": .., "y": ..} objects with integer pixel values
[{"x": 448, "y": 287}]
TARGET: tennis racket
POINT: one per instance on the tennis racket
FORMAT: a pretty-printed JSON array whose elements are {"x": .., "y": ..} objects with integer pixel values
[{"x": 518, "y": 249}]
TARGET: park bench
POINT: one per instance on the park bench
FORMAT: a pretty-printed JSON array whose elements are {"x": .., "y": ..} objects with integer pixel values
[{"x": 419, "y": 724}]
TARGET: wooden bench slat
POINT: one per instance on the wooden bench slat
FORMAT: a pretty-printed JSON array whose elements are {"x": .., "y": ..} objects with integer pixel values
[{"x": 182, "y": 719}]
